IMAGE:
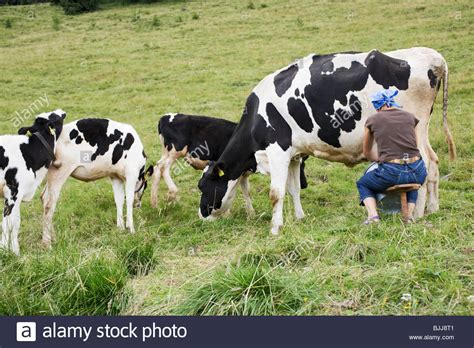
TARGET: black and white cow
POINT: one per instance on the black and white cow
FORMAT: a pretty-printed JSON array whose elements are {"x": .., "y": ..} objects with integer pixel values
[
  {"x": 90, "y": 149},
  {"x": 318, "y": 106},
  {"x": 199, "y": 139},
  {"x": 24, "y": 162}
]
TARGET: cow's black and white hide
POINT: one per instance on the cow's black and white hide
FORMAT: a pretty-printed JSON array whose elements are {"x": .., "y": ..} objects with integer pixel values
[
  {"x": 199, "y": 139},
  {"x": 24, "y": 162},
  {"x": 90, "y": 149},
  {"x": 318, "y": 106}
]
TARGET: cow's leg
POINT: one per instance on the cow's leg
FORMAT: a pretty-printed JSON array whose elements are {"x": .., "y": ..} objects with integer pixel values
[
  {"x": 130, "y": 184},
  {"x": 55, "y": 180},
  {"x": 279, "y": 162},
  {"x": 15, "y": 219},
  {"x": 245, "y": 185},
  {"x": 173, "y": 155},
  {"x": 157, "y": 174},
  {"x": 119, "y": 197},
  {"x": 11, "y": 219},
  {"x": 294, "y": 187},
  {"x": 432, "y": 180}
]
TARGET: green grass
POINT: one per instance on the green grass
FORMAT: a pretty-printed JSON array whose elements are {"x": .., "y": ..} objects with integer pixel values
[{"x": 134, "y": 63}]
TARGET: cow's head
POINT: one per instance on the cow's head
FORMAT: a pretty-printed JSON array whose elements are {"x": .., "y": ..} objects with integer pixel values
[
  {"x": 142, "y": 184},
  {"x": 46, "y": 123},
  {"x": 217, "y": 191}
]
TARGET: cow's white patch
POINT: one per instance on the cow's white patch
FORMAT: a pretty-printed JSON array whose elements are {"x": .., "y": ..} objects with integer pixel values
[
  {"x": 345, "y": 60},
  {"x": 263, "y": 166},
  {"x": 171, "y": 116},
  {"x": 226, "y": 200}
]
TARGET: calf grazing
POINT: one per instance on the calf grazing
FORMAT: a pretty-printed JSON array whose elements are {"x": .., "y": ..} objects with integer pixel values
[
  {"x": 24, "y": 162},
  {"x": 91, "y": 149},
  {"x": 318, "y": 106},
  {"x": 199, "y": 139}
]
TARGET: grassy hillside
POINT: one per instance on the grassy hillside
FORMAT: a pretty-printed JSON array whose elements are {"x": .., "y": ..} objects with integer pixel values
[{"x": 135, "y": 63}]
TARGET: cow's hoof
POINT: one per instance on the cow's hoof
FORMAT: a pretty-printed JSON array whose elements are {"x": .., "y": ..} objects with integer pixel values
[
  {"x": 431, "y": 208},
  {"x": 57, "y": 163},
  {"x": 47, "y": 244},
  {"x": 275, "y": 230},
  {"x": 171, "y": 196},
  {"x": 250, "y": 213},
  {"x": 300, "y": 216}
]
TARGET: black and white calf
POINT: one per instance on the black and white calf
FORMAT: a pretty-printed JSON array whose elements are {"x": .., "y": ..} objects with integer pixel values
[
  {"x": 24, "y": 162},
  {"x": 318, "y": 106},
  {"x": 91, "y": 149},
  {"x": 200, "y": 140}
]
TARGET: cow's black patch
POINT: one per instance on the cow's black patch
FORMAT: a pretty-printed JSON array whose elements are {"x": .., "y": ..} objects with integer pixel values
[
  {"x": 300, "y": 114},
  {"x": 205, "y": 137},
  {"x": 4, "y": 160},
  {"x": 121, "y": 147},
  {"x": 388, "y": 71},
  {"x": 346, "y": 119},
  {"x": 73, "y": 134},
  {"x": 303, "y": 180},
  {"x": 280, "y": 131},
  {"x": 297, "y": 92},
  {"x": 94, "y": 131},
  {"x": 79, "y": 140},
  {"x": 324, "y": 90},
  {"x": 283, "y": 79},
  {"x": 128, "y": 142},
  {"x": 35, "y": 154},
  {"x": 433, "y": 78},
  {"x": 12, "y": 183}
]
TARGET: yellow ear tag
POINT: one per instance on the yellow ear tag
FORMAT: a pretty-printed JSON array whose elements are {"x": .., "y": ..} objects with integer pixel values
[
  {"x": 52, "y": 130},
  {"x": 220, "y": 172},
  {"x": 28, "y": 134}
]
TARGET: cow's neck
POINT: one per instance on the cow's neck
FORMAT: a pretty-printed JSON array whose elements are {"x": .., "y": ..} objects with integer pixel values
[
  {"x": 239, "y": 154},
  {"x": 38, "y": 153}
]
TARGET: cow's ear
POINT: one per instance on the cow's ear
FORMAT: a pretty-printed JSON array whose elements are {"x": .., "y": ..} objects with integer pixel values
[
  {"x": 219, "y": 170},
  {"x": 23, "y": 130},
  {"x": 149, "y": 171}
]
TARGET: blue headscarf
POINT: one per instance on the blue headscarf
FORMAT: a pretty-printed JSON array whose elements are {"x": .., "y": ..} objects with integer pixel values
[{"x": 385, "y": 97}]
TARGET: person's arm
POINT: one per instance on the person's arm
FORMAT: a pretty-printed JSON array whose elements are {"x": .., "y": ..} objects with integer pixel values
[
  {"x": 417, "y": 136},
  {"x": 367, "y": 144}
]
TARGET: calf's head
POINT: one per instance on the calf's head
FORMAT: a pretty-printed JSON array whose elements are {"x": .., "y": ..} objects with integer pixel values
[
  {"x": 46, "y": 123},
  {"x": 142, "y": 184},
  {"x": 217, "y": 191}
]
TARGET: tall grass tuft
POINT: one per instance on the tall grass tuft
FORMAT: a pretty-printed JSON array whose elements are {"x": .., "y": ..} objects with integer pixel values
[
  {"x": 53, "y": 284},
  {"x": 247, "y": 290},
  {"x": 137, "y": 254}
]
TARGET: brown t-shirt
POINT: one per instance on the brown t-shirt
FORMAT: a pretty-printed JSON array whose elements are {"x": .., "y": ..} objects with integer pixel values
[{"x": 394, "y": 133}]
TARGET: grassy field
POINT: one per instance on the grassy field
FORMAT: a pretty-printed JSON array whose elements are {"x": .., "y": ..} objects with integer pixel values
[{"x": 134, "y": 63}]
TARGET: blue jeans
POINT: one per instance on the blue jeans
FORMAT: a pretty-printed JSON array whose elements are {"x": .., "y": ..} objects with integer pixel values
[{"x": 390, "y": 174}]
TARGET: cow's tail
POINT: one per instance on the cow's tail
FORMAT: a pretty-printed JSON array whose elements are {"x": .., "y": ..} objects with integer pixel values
[{"x": 447, "y": 132}]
